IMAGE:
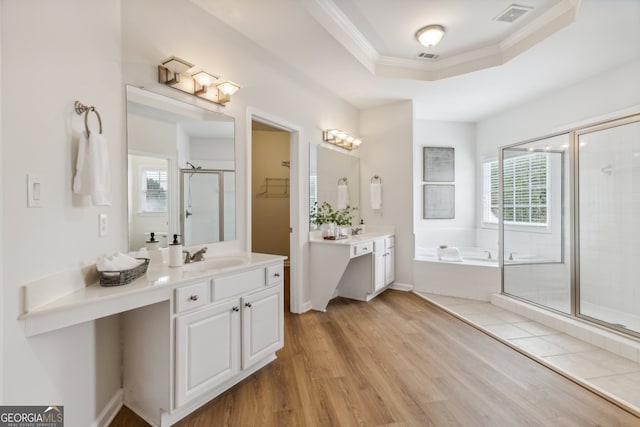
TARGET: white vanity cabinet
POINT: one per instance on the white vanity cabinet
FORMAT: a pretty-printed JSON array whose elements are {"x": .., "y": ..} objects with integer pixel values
[
  {"x": 379, "y": 264},
  {"x": 359, "y": 267},
  {"x": 384, "y": 262},
  {"x": 215, "y": 333},
  {"x": 389, "y": 260},
  {"x": 207, "y": 349}
]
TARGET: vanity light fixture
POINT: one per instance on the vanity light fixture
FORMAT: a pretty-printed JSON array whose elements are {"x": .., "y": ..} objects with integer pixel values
[
  {"x": 203, "y": 80},
  {"x": 341, "y": 139},
  {"x": 430, "y": 35},
  {"x": 171, "y": 68},
  {"x": 225, "y": 90},
  {"x": 174, "y": 72}
]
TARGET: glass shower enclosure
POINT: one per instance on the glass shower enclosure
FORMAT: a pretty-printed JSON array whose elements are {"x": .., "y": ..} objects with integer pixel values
[{"x": 569, "y": 228}]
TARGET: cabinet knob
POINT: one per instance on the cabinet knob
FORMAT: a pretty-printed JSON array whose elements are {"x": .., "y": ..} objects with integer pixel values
[
  {"x": 193, "y": 298},
  {"x": 236, "y": 308},
  {"x": 276, "y": 275},
  {"x": 247, "y": 304}
]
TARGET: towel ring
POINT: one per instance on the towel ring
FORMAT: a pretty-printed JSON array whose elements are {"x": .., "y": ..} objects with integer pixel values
[
  {"x": 342, "y": 181},
  {"x": 81, "y": 108},
  {"x": 376, "y": 178}
]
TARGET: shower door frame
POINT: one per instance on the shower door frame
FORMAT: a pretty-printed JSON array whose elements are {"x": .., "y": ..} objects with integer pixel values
[
  {"x": 575, "y": 216},
  {"x": 501, "y": 224},
  {"x": 220, "y": 173},
  {"x": 574, "y": 226}
]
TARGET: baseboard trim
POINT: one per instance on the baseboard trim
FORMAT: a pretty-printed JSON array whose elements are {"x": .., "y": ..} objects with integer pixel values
[
  {"x": 110, "y": 410},
  {"x": 401, "y": 287},
  {"x": 305, "y": 307}
]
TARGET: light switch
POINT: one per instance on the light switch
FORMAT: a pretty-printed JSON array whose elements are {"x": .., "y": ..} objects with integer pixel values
[{"x": 34, "y": 191}]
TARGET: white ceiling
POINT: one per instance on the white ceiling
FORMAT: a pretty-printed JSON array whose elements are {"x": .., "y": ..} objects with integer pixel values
[{"x": 364, "y": 50}]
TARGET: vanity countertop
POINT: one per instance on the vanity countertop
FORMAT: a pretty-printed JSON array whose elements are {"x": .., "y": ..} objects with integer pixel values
[
  {"x": 95, "y": 301},
  {"x": 315, "y": 237}
]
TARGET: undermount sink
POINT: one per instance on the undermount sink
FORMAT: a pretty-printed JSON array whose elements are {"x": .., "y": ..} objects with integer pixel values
[
  {"x": 361, "y": 236},
  {"x": 215, "y": 263}
]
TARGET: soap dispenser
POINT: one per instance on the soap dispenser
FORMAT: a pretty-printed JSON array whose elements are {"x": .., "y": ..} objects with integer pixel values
[
  {"x": 152, "y": 243},
  {"x": 175, "y": 253},
  {"x": 361, "y": 226}
]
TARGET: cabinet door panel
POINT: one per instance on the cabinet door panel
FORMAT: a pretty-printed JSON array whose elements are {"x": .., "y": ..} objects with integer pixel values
[
  {"x": 207, "y": 349},
  {"x": 379, "y": 271},
  {"x": 390, "y": 264},
  {"x": 262, "y": 325}
]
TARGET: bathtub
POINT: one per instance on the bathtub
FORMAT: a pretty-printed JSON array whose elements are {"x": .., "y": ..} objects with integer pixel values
[{"x": 475, "y": 277}]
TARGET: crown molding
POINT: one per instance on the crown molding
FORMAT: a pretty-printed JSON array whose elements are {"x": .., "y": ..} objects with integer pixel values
[
  {"x": 329, "y": 15},
  {"x": 342, "y": 29}
]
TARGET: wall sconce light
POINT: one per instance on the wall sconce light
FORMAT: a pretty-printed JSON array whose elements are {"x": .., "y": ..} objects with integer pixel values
[
  {"x": 341, "y": 139},
  {"x": 173, "y": 72}
]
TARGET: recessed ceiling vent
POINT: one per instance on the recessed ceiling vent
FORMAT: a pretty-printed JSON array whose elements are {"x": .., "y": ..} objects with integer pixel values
[
  {"x": 512, "y": 13},
  {"x": 425, "y": 55}
]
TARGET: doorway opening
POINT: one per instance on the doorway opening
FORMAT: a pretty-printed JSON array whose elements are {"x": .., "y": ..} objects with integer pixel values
[{"x": 271, "y": 178}]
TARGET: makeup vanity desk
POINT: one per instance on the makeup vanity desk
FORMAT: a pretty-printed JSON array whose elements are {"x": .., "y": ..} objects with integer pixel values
[{"x": 359, "y": 267}]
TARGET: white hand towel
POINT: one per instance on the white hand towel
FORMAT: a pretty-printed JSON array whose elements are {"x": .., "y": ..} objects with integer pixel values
[
  {"x": 376, "y": 195},
  {"x": 118, "y": 262},
  {"x": 343, "y": 196},
  {"x": 82, "y": 180},
  {"x": 99, "y": 172},
  {"x": 92, "y": 169}
]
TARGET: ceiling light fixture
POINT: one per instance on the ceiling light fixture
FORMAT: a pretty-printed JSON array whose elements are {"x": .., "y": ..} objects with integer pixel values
[
  {"x": 173, "y": 72},
  {"x": 430, "y": 35},
  {"x": 341, "y": 139}
]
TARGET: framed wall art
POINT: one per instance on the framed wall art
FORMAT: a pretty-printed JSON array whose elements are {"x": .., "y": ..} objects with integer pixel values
[
  {"x": 438, "y": 164},
  {"x": 439, "y": 201}
]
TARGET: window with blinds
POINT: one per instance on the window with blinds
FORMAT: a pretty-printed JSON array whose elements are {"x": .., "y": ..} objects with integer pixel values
[
  {"x": 313, "y": 189},
  {"x": 524, "y": 192},
  {"x": 153, "y": 191}
]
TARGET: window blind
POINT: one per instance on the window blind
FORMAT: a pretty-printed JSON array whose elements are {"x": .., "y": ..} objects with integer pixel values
[{"x": 525, "y": 188}]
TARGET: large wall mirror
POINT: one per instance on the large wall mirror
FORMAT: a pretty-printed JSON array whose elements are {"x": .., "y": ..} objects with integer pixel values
[
  {"x": 181, "y": 171},
  {"x": 330, "y": 168}
]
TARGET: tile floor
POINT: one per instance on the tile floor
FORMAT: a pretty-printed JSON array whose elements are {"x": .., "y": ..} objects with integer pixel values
[{"x": 598, "y": 369}]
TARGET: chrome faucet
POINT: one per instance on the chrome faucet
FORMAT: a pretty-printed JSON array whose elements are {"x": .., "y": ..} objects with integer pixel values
[
  {"x": 356, "y": 230},
  {"x": 198, "y": 255},
  {"x": 488, "y": 254},
  {"x": 187, "y": 259}
]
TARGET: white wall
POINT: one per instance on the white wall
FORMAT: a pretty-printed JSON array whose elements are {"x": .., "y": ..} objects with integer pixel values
[
  {"x": 267, "y": 86},
  {"x": 213, "y": 153},
  {"x": 54, "y": 53},
  {"x": 598, "y": 97},
  {"x": 459, "y": 231},
  {"x": 387, "y": 151},
  {"x": 150, "y": 135}
]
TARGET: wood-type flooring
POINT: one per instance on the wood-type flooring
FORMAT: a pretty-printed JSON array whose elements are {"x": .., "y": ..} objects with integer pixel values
[{"x": 398, "y": 361}]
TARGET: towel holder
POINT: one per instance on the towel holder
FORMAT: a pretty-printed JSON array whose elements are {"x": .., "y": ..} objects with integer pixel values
[
  {"x": 81, "y": 108},
  {"x": 377, "y": 179},
  {"x": 342, "y": 180}
]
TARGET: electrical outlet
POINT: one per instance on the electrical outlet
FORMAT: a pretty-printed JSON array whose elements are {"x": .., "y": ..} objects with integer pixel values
[
  {"x": 102, "y": 225},
  {"x": 34, "y": 191}
]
